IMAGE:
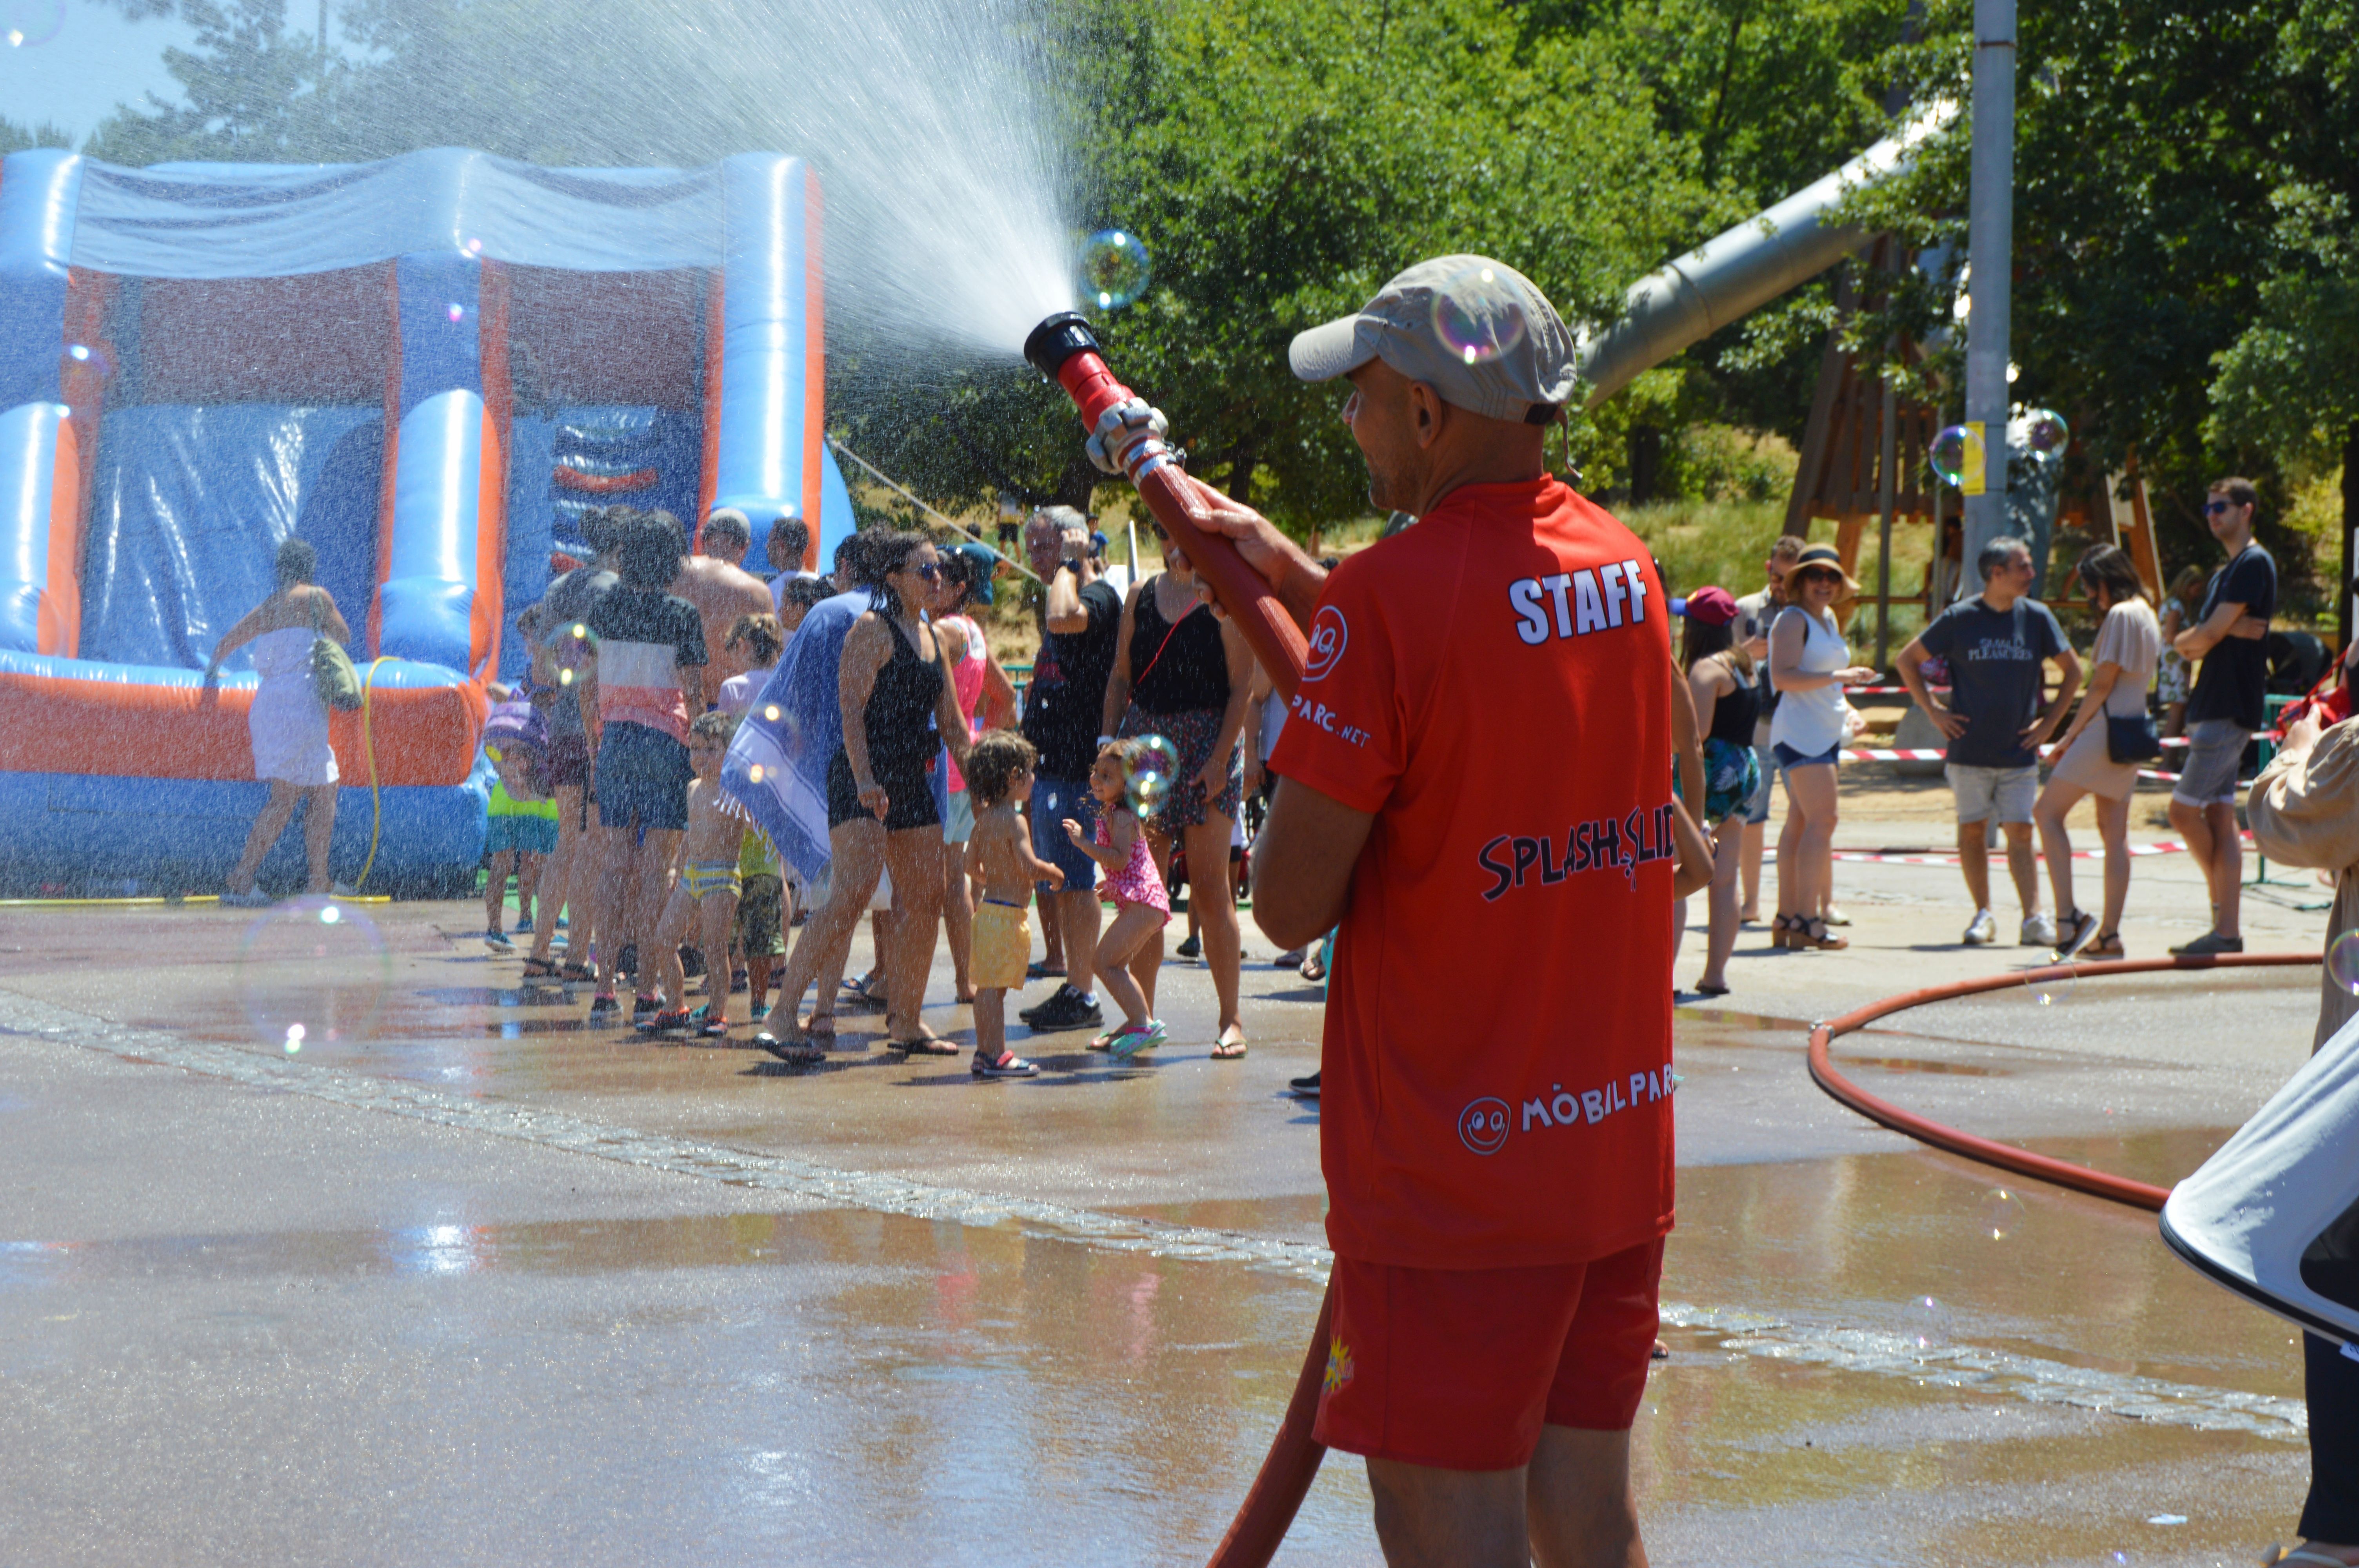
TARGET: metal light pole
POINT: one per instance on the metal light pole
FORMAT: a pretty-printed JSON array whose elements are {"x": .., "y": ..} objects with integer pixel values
[{"x": 1990, "y": 223}]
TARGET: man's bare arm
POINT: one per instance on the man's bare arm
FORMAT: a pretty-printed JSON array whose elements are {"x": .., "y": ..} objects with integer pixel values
[{"x": 1302, "y": 863}]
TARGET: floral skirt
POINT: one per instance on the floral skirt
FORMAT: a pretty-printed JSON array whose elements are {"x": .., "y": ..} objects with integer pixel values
[
  {"x": 1730, "y": 774},
  {"x": 1192, "y": 734}
]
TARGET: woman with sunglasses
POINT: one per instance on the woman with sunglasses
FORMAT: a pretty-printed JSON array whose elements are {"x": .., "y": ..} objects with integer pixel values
[
  {"x": 1182, "y": 671},
  {"x": 1810, "y": 664},
  {"x": 881, "y": 811}
]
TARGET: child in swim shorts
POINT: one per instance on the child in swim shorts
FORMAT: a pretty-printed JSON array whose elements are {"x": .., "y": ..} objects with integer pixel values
[
  {"x": 705, "y": 895},
  {"x": 999, "y": 853}
]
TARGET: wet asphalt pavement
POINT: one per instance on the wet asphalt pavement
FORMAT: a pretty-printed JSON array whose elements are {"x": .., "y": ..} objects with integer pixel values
[{"x": 472, "y": 1281}]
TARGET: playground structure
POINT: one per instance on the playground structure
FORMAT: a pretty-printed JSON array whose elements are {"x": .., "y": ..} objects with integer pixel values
[
  {"x": 1864, "y": 447},
  {"x": 427, "y": 367}
]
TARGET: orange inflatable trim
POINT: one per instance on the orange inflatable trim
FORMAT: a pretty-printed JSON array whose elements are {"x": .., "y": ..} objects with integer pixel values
[{"x": 424, "y": 736}]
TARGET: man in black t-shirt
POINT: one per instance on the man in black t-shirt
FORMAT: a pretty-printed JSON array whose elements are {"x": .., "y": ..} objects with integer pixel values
[
  {"x": 1062, "y": 711},
  {"x": 2226, "y": 706}
]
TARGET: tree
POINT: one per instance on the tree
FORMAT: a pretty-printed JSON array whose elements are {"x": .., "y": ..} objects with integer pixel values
[{"x": 2152, "y": 143}]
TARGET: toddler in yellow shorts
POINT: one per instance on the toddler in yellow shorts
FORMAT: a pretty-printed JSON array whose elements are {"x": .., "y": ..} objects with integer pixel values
[{"x": 999, "y": 853}]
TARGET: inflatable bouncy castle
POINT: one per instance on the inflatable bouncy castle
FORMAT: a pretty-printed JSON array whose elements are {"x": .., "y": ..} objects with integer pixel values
[{"x": 428, "y": 368}]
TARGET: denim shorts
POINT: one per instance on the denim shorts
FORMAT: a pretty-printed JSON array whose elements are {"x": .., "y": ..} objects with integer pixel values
[
  {"x": 1789, "y": 758},
  {"x": 643, "y": 776},
  {"x": 1053, "y": 800}
]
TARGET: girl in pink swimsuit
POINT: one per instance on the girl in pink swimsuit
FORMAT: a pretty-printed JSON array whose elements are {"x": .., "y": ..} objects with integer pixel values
[{"x": 1127, "y": 953}]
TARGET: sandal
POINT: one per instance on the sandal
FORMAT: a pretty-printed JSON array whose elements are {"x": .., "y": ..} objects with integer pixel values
[
  {"x": 1227, "y": 1050},
  {"x": 923, "y": 1045},
  {"x": 794, "y": 1047},
  {"x": 867, "y": 994},
  {"x": 1703, "y": 989},
  {"x": 1813, "y": 934},
  {"x": 587, "y": 973},
  {"x": 1781, "y": 933},
  {"x": 1313, "y": 971},
  {"x": 2104, "y": 944},
  {"x": 539, "y": 969},
  {"x": 678, "y": 1020},
  {"x": 822, "y": 1027},
  {"x": 706, "y": 1022}
]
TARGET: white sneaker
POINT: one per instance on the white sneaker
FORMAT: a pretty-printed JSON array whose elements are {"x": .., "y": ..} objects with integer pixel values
[
  {"x": 2038, "y": 931},
  {"x": 1981, "y": 930}
]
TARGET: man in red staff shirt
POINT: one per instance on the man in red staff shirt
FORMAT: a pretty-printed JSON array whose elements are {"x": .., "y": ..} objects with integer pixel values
[{"x": 1477, "y": 784}]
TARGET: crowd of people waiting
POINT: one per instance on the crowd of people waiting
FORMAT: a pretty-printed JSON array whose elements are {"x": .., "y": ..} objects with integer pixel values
[
  {"x": 1768, "y": 676},
  {"x": 944, "y": 808}
]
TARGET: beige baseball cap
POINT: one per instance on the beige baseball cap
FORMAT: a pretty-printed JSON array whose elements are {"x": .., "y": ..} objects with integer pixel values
[{"x": 1475, "y": 328}]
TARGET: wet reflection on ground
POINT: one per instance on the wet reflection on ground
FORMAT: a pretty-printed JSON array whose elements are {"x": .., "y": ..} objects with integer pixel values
[{"x": 1880, "y": 1352}]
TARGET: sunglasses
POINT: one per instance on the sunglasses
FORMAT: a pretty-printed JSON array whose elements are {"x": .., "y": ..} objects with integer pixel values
[
  {"x": 2214, "y": 508},
  {"x": 927, "y": 570}
]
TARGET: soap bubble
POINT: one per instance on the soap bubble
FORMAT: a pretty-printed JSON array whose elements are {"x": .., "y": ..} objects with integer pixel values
[
  {"x": 1158, "y": 753},
  {"x": 771, "y": 713},
  {"x": 1148, "y": 789},
  {"x": 576, "y": 652},
  {"x": 2051, "y": 986},
  {"x": 1949, "y": 454},
  {"x": 1477, "y": 315},
  {"x": 84, "y": 360},
  {"x": 472, "y": 246},
  {"x": 30, "y": 22},
  {"x": 2045, "y": 432},
  {"x": 753, "y": 773},
  {"x": 1114, "y": 269},
  {"x": 2342, "y": 961},
  {"x": 1928, "y": 1323},
  {"x": 312, "y": 970},
  {"x": 2002, "y": 1213},
  {"x": 456, "y": 311}
]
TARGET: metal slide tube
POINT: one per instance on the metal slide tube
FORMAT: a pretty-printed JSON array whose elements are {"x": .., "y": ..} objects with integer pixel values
[{"x": 1687, "y": 300}]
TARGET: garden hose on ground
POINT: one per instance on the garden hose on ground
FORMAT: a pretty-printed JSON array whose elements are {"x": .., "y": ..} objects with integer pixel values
[{"x": 2007, "y": 1157}]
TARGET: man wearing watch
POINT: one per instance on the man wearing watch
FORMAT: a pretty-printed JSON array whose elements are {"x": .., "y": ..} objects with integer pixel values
[{"x": 1078, "y": 623}]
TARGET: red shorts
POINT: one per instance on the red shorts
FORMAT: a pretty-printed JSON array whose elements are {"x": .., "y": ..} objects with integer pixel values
[{"x": 1458, "y": 1368}]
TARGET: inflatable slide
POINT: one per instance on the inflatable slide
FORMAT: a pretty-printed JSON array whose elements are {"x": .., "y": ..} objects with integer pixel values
[{"x": 426, "y": 367}]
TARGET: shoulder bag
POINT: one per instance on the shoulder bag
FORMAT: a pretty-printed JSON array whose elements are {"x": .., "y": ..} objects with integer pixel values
[{"x": 333, "y": 675}]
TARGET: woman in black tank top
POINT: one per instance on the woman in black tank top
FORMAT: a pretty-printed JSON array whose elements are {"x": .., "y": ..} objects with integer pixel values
[
  {"x": 1184, "y": 673},
  {"x": 1727, "y": 692},
  {"x": 899, "y": 710}
]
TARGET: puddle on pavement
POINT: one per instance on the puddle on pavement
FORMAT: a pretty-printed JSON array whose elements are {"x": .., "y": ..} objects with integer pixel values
[{"x": 776, "y": 1352}]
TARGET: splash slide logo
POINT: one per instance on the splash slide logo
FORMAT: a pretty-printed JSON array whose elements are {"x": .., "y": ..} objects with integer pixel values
[{"x": 1328, "y": 636}]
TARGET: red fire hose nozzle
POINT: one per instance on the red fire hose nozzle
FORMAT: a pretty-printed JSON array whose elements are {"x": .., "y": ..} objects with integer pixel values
[{"x": 1126, "y": 437}]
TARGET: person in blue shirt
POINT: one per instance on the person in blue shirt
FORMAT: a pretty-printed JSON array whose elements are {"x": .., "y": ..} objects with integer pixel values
[{"x": 1997, "y": 645}]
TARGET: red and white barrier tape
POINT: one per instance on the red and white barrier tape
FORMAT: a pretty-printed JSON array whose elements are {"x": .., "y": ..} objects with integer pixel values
[
  {"x": 1916, "y": 754},
  {"x": 1895, "y": 857}
]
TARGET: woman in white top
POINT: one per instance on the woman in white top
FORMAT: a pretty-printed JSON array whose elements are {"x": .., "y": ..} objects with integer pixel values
[
  {"x": 287, "y": 723},
  {"x": 2130, "y": 647},
  {"x": 1810, "y": 664}
]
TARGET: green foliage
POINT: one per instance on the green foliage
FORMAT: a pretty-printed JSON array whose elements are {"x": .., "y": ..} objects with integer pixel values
[
  {"x": 2157, "y": 149},
  {"x": 14, "y": 137}
]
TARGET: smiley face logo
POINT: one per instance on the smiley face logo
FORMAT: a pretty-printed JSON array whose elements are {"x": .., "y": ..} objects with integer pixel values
[
  {"x": 1328, "y": 636},
  {"x": 1482, "y": 1126}
]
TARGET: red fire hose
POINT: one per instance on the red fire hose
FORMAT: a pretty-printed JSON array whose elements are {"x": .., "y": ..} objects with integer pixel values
[
  {"x": 2022, "y": 1162},
  {"x": 1127, "y": 437}
]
